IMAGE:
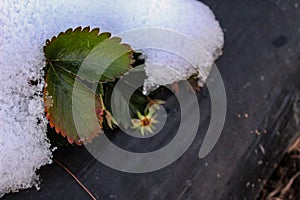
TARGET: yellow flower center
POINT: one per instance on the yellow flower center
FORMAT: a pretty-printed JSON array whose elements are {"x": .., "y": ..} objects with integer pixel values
[{"x": 145, "y": 122}]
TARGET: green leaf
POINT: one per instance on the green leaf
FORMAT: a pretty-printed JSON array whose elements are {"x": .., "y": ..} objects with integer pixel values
[
  {"x": 58, "y": 105},
  {"x": 93, "y": 53},
  {"x": 80, "y": 55}
]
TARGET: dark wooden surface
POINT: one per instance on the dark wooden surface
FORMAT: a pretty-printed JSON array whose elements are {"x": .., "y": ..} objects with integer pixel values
[{"x": 261, "y": 72}]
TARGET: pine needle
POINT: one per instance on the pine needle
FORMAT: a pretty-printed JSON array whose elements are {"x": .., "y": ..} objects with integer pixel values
[{"x": 76, "y": 179}]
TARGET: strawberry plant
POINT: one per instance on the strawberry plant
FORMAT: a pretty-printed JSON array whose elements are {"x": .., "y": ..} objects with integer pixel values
[{"x": 65, "y": 55}]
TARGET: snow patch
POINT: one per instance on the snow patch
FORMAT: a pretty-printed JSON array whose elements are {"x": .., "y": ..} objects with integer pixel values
[{"x": 26, "y": 25}]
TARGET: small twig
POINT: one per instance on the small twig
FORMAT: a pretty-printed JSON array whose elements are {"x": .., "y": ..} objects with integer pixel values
[
  {"x": 273, "y": 193},
  {"x": 295, "y": 156},
  {"x": 75, "y": 178},
  {"x": 282, "y": 190},
  {"x": 295, "y": 145},
  {"x": 288, "y": 186}
]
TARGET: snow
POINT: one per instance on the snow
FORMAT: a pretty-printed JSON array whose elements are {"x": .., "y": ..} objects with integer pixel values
[{"x": 26, "y": 24}]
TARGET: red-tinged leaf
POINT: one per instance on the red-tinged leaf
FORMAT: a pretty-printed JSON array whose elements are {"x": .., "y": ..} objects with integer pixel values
[{"x": 77, "y": 59}]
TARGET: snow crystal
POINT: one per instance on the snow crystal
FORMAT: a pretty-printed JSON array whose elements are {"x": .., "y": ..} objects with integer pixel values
[
  {"x": 27, "y": 24},
  {"x": 23, "y": 144}
]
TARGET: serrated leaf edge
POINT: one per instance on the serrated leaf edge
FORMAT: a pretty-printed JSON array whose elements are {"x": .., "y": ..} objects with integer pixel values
[
  {"x": 93, "y": 31},
  {"x": 98, "y": 33}
]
